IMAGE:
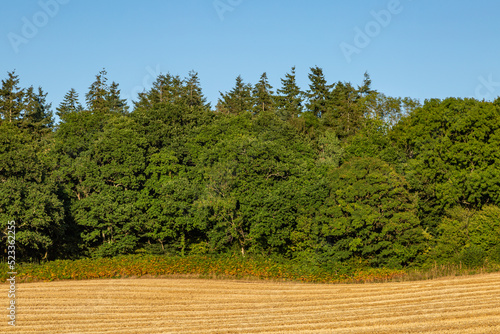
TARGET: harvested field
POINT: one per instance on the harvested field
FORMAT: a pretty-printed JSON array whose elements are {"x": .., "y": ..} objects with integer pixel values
[{"x": 453, "y": 305}]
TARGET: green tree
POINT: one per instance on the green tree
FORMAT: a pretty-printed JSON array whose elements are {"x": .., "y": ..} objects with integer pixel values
[
  {"x": 374, "y": 141},
  {"x": 37, "y": 115},
  {"x": 469, "y": 236},
  {"x": 250, "y": 169},
  {"x": 485, "y": 231},
  {"x": 167, "y": 88},
  {"x": 345, "y": 114},
  {"x": 169, "y": 125},
  {"x": 69, "y": 104},
  {"x": 11, "y": 99},
  {"x": 76, "y": 173},
  {"x": 366, "y": 88},
  {"x": 167, "y": 117},
  {"x": 454, "y": 234},
  {"x": 115, "y": 102},
  {"x": 263, "y": 95},
  {"x": 110, "y": 175},
  {"x": 97, "y": 96},
  {"x": 193, "y": 93},
  {"x": 105, "y": 98},
  {"x": 167, "y": 200},
  {"x": 370, "y": 214},
  {"x": 238, "y": 100},
  {"x": 170, "y": 89},
  {"x": 29, "y": 194},
  {"x": 331, "y": 151},
  {"x": 290, "y": 98},
  {"x": 451, "y": 147},
  {"x": 387, "y": 109},
  {"x": 319, "y": 93}
]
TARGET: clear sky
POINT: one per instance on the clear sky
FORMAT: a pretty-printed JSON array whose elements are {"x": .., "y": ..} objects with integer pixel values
[{"x": 419, "y": 48}]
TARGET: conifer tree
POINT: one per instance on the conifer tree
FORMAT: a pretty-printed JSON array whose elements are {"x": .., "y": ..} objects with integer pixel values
[
  {"x": 365, "y": 89},
  {"x": 192, "y": 93},
  {"x": 97, "y": 96},
  {"x": 238, "y": 100},
  {"x": 104, "y": 98},
  {"x": 290, "y": 97},
  {"x": 69, "y": 104},
  {"x": 346, "y": 112},
  {"x": 11, "y": 99},
  {"x": 319, "y": 93},
  {"x": 115, "y": 102},
  {"x": 263, "y": 95},
  {"x": 37, "y": 114},
  {"x": 166, "y": 89}
]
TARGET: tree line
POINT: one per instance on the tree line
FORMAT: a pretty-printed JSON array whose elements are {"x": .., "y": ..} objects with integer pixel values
[{"x": 327, "y": 175}]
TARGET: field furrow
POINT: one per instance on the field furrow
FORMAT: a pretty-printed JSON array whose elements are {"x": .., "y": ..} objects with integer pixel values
[{"x": 455, "y": 305}]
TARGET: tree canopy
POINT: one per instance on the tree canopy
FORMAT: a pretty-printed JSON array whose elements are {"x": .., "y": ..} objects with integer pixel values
[{"x": 333, "y": 174}]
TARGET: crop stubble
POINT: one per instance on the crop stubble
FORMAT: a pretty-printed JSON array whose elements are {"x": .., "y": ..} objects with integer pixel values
[{"x": 453, "y": 305}]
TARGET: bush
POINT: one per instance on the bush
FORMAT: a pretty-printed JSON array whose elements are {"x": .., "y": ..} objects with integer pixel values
[
  {"x": 469, "y": 236},
  {"x": 472, "y": 256}
]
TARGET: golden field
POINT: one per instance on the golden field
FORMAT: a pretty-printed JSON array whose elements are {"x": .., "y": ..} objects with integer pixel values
[{"x": 469, "y": 304}]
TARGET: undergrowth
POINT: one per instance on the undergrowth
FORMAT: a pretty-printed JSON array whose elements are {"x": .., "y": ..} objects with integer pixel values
[{"x": 226, "y": 267}]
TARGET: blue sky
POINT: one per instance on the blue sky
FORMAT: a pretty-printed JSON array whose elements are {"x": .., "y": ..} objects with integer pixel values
[{"x": 420, "y": 48}]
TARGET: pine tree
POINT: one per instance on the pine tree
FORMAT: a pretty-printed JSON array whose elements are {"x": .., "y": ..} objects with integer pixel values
[
  {"x": 365, "y": 89},
  {"x": 97, "y": 96},
  {"x": 347, "y": 112},
  {"x": 37, "y": 114},
  {"x": 105, "y": 98},
  {"x": 290, "y": 97},
  {"x": 166, "y": 89},
  {"x": 192, "y": 93},
  {"x": 263, "y": 95},
  {"x": 69, "y": 104},
  {"x": 238, "y": 100},
  {"x": 115, "y": 103},
  {"x": 319, "y": 93},
  {"x": 11, "y": 99}
]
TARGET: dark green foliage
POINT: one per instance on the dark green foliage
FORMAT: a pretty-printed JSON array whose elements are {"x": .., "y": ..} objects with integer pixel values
[
  {"x": 373, "y": 141},
  {"x": 98, "y": 93},
  {"x": 192, "y": 93},
  {"x": 11, "y": 99},
  {"x": 28, "y": 193},
  {"x": 37, "y": 116},
  {"x": 472, "y": 256},
  {"x": 469, "y": 236},
  {"x": 263, "y": 95},
  {"x": 104, "y": 98},
  {"x": 238, "y": 100},
  {"x": 115, "y": 103},
  {"x": 371, "y": 215},
  {"x": 166, "y": 89},
  {"x": 70, "y": 104},
  {"x": 366, "y": 88},
  {"x": 347, "y": 179},
  {"x": 172, "y": 90},
  {"x": 249, "y": 168},
  {"x": 338, "y": 107},
  {"x": 453, "y": 157},
  {"x": 319, "y": 93},
  {"x": 331, "y": 151},
  {"x": 290, "y": 98},
  {"x": 166, "y": 201},
  {"x": 109, "y": 175},
  {"x": 345, "y": 114},
  {"x": 485, "y": 230}
]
